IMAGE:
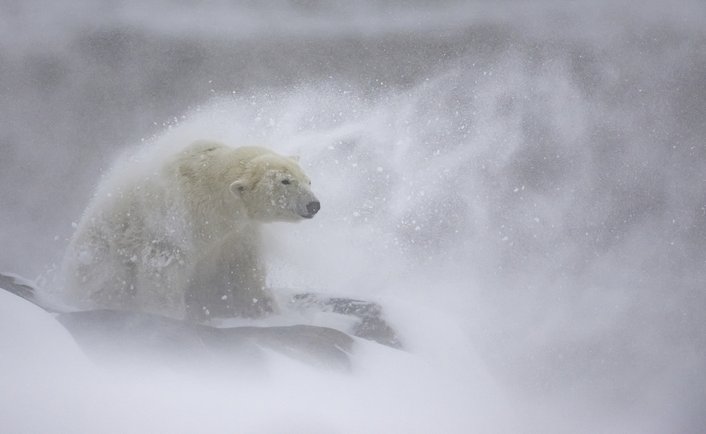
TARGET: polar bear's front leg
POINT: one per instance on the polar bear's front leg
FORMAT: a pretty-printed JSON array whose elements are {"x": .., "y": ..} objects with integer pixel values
[{"x": 229, "y": 281}]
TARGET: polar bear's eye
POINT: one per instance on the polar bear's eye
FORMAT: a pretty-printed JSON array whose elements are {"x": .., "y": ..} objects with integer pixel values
[{"x": 285, "y": 182}]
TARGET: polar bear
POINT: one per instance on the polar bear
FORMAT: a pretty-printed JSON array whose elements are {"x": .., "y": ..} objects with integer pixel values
[{"x": 181, "y": 238}]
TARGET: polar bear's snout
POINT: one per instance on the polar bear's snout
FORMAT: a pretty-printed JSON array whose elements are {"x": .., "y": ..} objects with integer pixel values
[{"x": 312, "y": 208}]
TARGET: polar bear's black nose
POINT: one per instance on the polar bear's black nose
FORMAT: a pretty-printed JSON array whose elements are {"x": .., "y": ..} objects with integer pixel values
[{"x": 312, "y": 208}]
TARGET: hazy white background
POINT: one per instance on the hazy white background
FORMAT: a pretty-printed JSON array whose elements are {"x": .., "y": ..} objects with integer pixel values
[{"x": 522, "y": 186}]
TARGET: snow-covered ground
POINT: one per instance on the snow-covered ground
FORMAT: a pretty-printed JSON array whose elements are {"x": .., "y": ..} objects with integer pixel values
[
  {"x": 520, "y": 185},
  {"x": 49, "y": 385}
]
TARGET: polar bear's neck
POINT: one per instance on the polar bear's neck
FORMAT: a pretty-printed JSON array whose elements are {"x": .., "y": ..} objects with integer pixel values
[{"x": 212, "y": 210}]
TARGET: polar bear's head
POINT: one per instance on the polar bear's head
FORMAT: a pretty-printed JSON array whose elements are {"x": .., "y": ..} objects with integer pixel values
[{"x": 274, "y": 188}]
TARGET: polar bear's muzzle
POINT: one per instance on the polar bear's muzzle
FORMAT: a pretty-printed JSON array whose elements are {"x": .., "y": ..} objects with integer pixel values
[{"x": 311, "y": 209}]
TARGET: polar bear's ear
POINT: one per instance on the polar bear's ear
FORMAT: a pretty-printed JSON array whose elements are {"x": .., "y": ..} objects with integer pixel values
[
  {"x": 294, "y": 157},
  {"x": 237, "y": 187}
]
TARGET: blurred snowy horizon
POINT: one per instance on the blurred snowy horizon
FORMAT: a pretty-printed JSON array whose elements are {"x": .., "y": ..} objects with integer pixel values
[{"x": 531, "y": 175}]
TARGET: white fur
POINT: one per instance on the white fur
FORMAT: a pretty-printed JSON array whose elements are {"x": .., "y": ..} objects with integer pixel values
[{"x": 181, "y": 237}]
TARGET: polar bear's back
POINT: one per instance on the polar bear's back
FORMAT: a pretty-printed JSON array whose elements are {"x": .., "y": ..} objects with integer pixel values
[{"x": 162, "y": 193}]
